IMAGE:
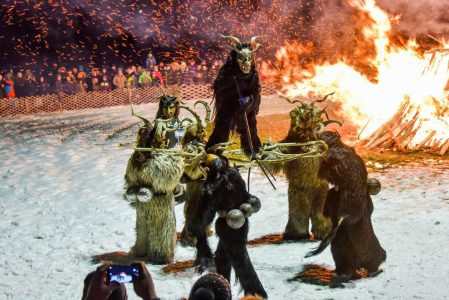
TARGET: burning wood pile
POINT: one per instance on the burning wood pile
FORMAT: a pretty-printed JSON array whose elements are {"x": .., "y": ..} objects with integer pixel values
[
  {"x": 394, "y": 95},
  {"x": 412, "y": 127},
  {"x": 399, "y": 132}
]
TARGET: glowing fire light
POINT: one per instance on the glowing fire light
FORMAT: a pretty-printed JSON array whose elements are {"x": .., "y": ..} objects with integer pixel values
[{"x": 405, "y": 78}]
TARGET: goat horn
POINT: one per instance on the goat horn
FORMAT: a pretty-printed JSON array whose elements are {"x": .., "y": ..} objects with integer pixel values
[
  {"x": 197, "y": 117},
  {"x": 206, "y": 106},
  {"x": 254, "y": 44},
  {"x": 139, "y": 116},
  {"x": 322, "y": 100},
  {"x": 291, "y": 101},
  {"x": 231, "y": 39},
  {"x": 332, "y": 121},
  {"x": 323, "y": 111}
]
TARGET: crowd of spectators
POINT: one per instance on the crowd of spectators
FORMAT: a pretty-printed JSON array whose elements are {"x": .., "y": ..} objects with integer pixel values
[{"x": 60, "y": 79}]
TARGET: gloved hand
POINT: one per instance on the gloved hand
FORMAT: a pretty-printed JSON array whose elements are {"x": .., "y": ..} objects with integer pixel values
[{"x": 245, "y": 102}]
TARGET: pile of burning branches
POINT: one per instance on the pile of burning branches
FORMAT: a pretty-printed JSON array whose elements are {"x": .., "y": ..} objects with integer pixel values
[{"x": 400, "y": 132}]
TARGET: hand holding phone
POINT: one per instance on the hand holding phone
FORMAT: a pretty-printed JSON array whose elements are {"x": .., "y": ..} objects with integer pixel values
[
  {"x": 123, "y": 273},
  {"x": 144, "y": 285},
  {"x": 97, "y": 285}
]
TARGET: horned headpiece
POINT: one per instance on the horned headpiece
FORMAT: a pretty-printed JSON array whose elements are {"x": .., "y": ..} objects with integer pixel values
[
  {"x": 244, "y": 51},
  {"x": 308, "y": 117},
  {"x": 168, "y": 105}
]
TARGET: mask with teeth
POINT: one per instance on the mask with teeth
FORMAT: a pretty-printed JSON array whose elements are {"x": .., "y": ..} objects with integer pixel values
[{"x": 244, "y": 52}]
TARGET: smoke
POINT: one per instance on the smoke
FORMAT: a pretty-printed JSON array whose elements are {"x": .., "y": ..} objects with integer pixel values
[{"x": 420, "y": 17}]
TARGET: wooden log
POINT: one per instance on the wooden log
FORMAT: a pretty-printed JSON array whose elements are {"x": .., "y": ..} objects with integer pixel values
[
  {"x": 379, "y": 132},
  {"x": 394, "y": 140},
  {"x": 427, "y": 138},
  {"x": 394, "y": 123},
  {"x": 435, "y": 146},
  {"x": 396, "y": 135},
  {"x": 444, "y": 148},
  {"x": 379, "y": 141},
  {"x": 408, "y": 130},
  {"x": 412, "y": 135}
]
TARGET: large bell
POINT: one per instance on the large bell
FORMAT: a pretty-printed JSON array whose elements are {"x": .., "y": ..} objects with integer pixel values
[
  {"x": 144, "y": 194},
  {"x": 255, "y": 203},
  {"x": 246, "y": 209},
  {"x": 235, "y": 218},
  {"x": 374, "y": 186}
]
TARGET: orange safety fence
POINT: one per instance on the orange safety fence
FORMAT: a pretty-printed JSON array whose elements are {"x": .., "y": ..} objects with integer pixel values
[{"x": 55, "y": 102}]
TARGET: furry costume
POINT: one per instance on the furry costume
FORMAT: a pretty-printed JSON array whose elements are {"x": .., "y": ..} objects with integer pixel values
[
  {"x": 306, "y": 190},
  {"x": 223, "y": 191},
  {"x": 355, "y": 245},
  {"x": 194, "y": 174},
  {"x": 194, "y": 177},
  {"x": 155, "y": 219},
  {"x": 231, "y": 102},
  {"x": 306, "y": 196}
]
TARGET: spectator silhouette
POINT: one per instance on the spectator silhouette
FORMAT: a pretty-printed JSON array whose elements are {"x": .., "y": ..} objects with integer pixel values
[
  {"x": 59, "y": 86},
  {"x": 158, "y": 79},
  {"x": 2, "y": 87},
  {"x": 150, "y": 61},
  {"x": 81, "y": 86},
  {"x": 119, "y": 80},
  {"x": 43, "y": 87},
  {"x": 105, "y": 86},
  {"x": 145, "y": 79},
  {"x": 20, "y": 85}
]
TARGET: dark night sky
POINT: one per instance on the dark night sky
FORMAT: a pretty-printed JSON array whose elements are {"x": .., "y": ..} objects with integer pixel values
[
  {"x": 37, "y": 33},
  {"x": 101, "y": 31}
]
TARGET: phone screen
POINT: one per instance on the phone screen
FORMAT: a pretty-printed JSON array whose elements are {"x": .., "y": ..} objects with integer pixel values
[{"x": 122, "y": 273}]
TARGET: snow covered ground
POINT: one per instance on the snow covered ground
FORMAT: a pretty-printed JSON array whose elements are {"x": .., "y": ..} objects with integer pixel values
[{"x": 61, "y": 202}]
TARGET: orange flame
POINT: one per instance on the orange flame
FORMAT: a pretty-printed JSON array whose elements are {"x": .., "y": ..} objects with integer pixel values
[{"x": 405, "y": 77}]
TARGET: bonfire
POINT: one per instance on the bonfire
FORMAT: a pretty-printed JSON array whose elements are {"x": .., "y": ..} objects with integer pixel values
[{"x": 400, "y": 103}]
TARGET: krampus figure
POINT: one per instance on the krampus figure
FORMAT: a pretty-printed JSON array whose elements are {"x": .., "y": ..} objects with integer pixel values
[
  {"x": 349, "y": 205},
  {"x": 194, "y": 174},
  {"x": 224, "y": 192},
  {"x": 158, "y": 173},
  {"x": 155, "y": 217},
  {"x": 306, "y": 191},
  {"x": 237, "y": 92}
]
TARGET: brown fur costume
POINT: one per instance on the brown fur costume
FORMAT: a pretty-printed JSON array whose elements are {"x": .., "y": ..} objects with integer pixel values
[
  {"x": 160, "y": 172},
  {"x": 306, "y": 191},
  {"x": 355, "y": 245},
  {"x": 194, "y": 174},
  {"x": 306, "y": 196},
  {"x": 155, "y": 219},
  {"x": 194, "y": 181}
]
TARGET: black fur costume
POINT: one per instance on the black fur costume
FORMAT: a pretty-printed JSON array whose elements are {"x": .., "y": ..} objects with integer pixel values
[
  {"x": 355, "y": 245},
  {"x": 223, "y": 190},
  {"x": 229, "y": 113}
]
